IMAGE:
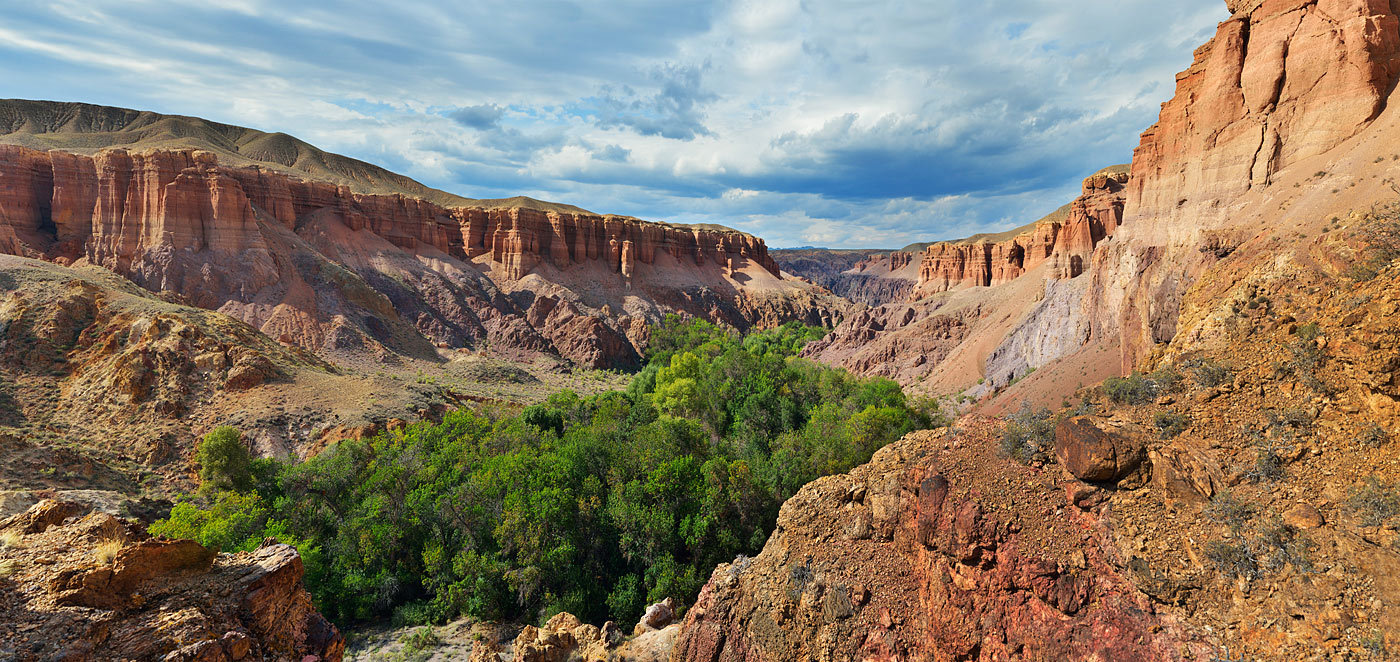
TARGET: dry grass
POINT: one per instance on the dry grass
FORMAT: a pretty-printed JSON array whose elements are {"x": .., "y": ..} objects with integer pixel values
[
  {"x": 106, "y": 551},
  {"x": 11, "y": 540},
  {"x": 8, "y": 568}
]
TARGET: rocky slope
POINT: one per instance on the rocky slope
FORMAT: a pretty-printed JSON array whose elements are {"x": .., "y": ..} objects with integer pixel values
[
  {"x": 958, "y": 330},
  {"x": 106, "y": 386},
  {"x": 1281, "y": 84},
  {"x": 320, "y": 265},
  {"x": 81, "y": 585},
  {"x": 937, "y": 549}
]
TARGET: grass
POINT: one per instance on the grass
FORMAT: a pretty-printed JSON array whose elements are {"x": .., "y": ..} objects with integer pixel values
[
  {"x": 106, "y": 551},
  {"x": 8, "y": 568},
  {"x": 11, "y": 540}
]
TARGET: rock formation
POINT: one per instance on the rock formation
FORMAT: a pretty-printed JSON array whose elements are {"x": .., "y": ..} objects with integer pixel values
[
  {"x": 1065, "y": 242},
  {"x": 1282, "y": 81},
  {"x": 89, "y": 586},
  {"x": 331, "y": 269},
  {"x": 871, "y": 278},
  {"x": 918, "y": 555}
]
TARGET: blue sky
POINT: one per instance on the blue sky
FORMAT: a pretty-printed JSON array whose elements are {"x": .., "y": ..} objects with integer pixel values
[{"x": 842, "y": 123}]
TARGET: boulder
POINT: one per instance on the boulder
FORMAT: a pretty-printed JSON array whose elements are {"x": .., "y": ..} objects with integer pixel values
[
  {"x": 1187, "y": 473},
  {"x": 1093, "y": 454}
]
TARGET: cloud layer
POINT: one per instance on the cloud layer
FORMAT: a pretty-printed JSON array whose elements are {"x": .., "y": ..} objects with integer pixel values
[{"x": 821, "y": 122}]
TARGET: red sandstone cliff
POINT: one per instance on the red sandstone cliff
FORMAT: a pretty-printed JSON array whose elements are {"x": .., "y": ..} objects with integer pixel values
[
  {"x": 1065, "y": 243},
  {"x": 328, "y": 268},
  {"x": 1282, "y": 82}
]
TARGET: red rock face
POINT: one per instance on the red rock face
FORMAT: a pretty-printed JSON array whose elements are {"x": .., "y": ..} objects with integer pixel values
[
  {"x": 1067, "y": 244},
  {"x": 1281, "y": 81},
  {"x": 918, "y": 556},
  {"x": 327, "y": 268}
]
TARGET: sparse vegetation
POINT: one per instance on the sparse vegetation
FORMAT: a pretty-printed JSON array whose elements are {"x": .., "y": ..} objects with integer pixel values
[
  {"x": 1375, "y": 502},
  {"x": 1029, "y": 434},
  {"x": 1134, "y": 389},
  {"x": 1167, "y": 379},
  {"x": 1170, "y": 423},
  {"x": 1272, "y": 546},
  {"x": 11, "y": 540},
  {"x": 418, "y": 643},
  {"x": 1230, "y": 511},
  {"x": 1207, "y": 373},
  {"x": 106, "y": 551},
  {"x": 1374, "y": 436},
  {"x": 1306, "y": 358}
]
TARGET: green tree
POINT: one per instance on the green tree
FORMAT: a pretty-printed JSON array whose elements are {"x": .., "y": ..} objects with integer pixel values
[{"x": 224, "y": 462}]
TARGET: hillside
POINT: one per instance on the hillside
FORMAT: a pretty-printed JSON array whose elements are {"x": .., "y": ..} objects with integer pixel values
[{"x": 87, "y": 129}]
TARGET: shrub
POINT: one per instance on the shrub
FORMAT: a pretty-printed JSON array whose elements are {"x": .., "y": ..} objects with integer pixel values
[
  {"x": 1208, "y": 373},
  {"x": 1131, "y": 390},
  {"x": 1228, "y": 510},
  {"x": 1306, "y": 358},
  {"x": 1167, "y": 379},
  {"x": 1375, "y": 502},
  {"x": 224, "y": 462},
  {"x": 1374, "y": 436},
  {"x": 1233, "y": 559},
  {"x": 1170, "y": 424},
  {"x": 1028, "y": 434},
  {"x": 1280, "y": 545},
  {"x": 1268, "y": 463}
]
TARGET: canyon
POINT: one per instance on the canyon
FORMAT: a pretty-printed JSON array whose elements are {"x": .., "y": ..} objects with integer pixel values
[
  {"x": 1220, "y": 511},
  {"x": 331, "y": 269}
]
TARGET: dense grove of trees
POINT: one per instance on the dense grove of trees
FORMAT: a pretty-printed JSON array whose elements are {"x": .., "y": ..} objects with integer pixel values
[{"x": 591, "y": 505}]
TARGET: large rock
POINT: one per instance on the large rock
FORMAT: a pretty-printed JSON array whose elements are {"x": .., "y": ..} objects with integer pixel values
[
  {"x": 97, "y": 587},
  {"x": 1093, "y": 454},
  {"x": 963, "y": 569}
]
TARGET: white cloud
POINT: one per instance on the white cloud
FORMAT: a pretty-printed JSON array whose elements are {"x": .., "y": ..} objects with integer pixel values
[{"x": 804, "y": 121}]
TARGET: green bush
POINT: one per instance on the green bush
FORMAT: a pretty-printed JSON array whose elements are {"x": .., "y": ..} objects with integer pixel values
[
  {"x": 595, "y": 505},
  {"x": 1208, "y": 373},
  {"x": 1029, "y": 434},
  {"x": 224, "y": 462}
]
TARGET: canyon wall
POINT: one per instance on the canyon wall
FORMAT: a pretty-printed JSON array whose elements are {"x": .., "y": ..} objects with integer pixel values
[
  {"x": 1065, "y": 243},
  {"x": 320, "y": 265},
  {"x": 1281, "y": 82}
]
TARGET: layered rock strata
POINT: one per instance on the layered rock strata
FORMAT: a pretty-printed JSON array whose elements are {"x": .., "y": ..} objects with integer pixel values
[
  {"x": 322, "y": 266},
  {"x": 1065, "y": 243},
  {"x": 1281, "y": 81}
]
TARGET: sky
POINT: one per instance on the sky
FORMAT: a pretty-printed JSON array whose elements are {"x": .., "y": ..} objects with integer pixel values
[{"x": 838, "y": 123}]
